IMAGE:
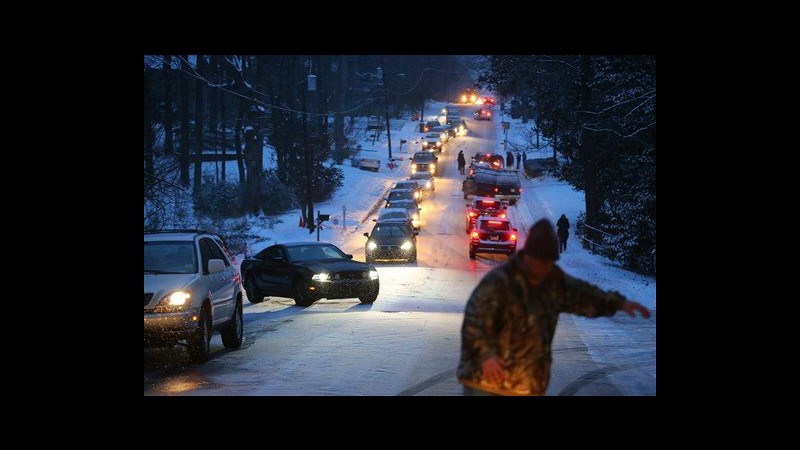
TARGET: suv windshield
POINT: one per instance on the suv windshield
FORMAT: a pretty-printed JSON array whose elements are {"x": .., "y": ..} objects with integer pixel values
[
  {"x": 170, "y": 257},
  {"x": 383, "y": 231},
  {"x": 401, "y": 195}
]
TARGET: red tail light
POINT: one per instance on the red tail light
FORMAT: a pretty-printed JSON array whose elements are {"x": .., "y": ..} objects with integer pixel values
[
  {"x": 496, "y": 189},
  {"x": 520, "y": 190},
  {"x": 488, "y": 202},
  {"x": 513, "y": 237},
  {"x": 474, "y": 235},
  {"x": 472, "y": 214},
  {"x": 495, "y": 222},
  {"x": 502, "y": 216}
]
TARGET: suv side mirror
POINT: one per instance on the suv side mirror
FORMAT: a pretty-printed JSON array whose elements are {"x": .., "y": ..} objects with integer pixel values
[
  {"x": 366, "y": 235},
  {"x": 215, "y": 265},
  {"x": 374, "y": 220},
  {"x": 349, "y": 256}
]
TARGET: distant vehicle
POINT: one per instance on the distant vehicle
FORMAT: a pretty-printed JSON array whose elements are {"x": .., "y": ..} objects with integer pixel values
[
  {"x": 411, "y": 185},
  {"x": 365, "y": 160},
  {"x": 191, "y": 288},
  {"x": 494, "y": 160},
  {"x": 484, "y": 206},
  {"x": 482, "y": 114},
  {"x": 460, "y": 126},
  {"x": 488, "y": 101},
  {"x": 413, "y": 211},
  {"x": 500, "y": 184},
  {"x": 442, "y": 130},
  {"x": 426, "y": 179},
  {"x": 402, "y": 194},
  {"x": 307, "y": 272},
  {"x": 424, "y": 162},
  {"x": 469, "y": 96},
  {"x": 430, "y": 124},
  {"x": 492, "y": 235},
  {"x": 390, "y": 240},
  {"x": 396, "y": 215},
  {"x": 433, "y": 142}
]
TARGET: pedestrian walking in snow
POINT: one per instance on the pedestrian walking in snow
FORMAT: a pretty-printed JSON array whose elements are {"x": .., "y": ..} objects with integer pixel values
[
  {"x": 519, "y": 159},
  {"x": 511, "y": 317},
  {"x": 462, "y": 162},
  {"x": 563, "y": 232},
  {"x": 509, "y": 160}
]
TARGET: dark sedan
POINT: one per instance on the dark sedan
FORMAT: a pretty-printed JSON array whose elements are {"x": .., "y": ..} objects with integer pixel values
[
  {"x": 391, "y": 240},
  {"x": 307, "y": 272}
]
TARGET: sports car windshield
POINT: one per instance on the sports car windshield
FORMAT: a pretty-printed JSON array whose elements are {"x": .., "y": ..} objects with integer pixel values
[{"x": 311, "y": 252}]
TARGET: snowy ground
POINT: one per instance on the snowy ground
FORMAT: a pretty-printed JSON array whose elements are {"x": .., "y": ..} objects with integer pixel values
[{"x": 408, "y": 341}]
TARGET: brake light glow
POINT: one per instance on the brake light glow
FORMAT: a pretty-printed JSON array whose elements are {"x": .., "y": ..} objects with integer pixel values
[
  {"x": 513, "y": 237},
  {"x": 495, "y": 222},
  {"x": 472, "y": 214},
  {"x": 496, "y": 163},
  {"x": 474, "y": 235},
  {"x": 489, "y": 114},
  {"x": 487, "y": 202},
  {"x": 496, "y": 189},
  {"x": 502, "y": 216},
  {"x": 520, "y": 190}
]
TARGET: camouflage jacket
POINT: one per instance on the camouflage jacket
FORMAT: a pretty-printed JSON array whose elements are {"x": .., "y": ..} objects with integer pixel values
[{"x": 506, "y": 316}]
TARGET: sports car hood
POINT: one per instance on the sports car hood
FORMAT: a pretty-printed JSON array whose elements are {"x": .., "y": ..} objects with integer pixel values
[{"x": 333, "y": 265}]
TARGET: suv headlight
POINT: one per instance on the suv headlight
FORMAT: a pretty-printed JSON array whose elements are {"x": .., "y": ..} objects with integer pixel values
[
  {"x": 373, "y": 274},
  {"x": 321, "y": 277},
  {"x": 175, "y": 301},
  {"x": 371, "y": 245},
  {"x": 428, "y": 185},
  {"x": 406, "y": 245}
]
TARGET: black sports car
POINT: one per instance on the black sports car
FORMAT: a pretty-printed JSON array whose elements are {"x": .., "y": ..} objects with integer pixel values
[
  {"x": 391, "y": 240},
  {"x": 307, "y": 272}
]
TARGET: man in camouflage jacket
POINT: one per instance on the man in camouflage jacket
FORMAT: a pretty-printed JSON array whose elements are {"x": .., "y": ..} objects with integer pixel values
[{"x": 511, "y": 317}]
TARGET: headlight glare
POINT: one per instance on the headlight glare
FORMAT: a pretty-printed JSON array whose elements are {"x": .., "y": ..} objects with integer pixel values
[
  {"x": 178, "y": 298},
  {"x": 406, "y": 245},
  {"x": 371, "y": 245},
  {"x": 321, "y": 277}
]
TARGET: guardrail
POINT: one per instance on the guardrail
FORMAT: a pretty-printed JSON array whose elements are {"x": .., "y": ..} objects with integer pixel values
[{"x": 592, "y": 244}]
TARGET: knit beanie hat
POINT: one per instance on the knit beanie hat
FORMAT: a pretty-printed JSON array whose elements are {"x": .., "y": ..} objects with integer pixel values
[{"x": 542, "y": 242}]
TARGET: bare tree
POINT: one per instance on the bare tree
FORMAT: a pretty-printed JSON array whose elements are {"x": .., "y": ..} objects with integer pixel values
[
  {"x": 198, "y": 125},
  {"x": 168, "y": 145},
  {"x": 184, "y": 117}
]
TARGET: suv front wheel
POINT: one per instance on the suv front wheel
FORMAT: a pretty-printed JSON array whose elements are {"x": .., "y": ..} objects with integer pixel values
[{"x": 200, "y": 342}]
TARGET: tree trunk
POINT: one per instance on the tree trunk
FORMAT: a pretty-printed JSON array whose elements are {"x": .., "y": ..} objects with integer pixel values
[
  {"x": 223, "y": 120},
  {"x": 198, "y": 126},
  {"x": 237, "y": 142},
  {"x": 184, "y": 113},
  {"x": 587, "y": 151},
  {"x": 148, "y": 125},
  {"x": 254, "y": 146},
  {"x": 168, "y": 145},
  {"x": 213, "y": 110},
  {"x": 338, "y": 119}
]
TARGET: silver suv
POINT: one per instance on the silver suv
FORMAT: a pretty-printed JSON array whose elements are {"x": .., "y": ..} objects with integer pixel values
[{"x": 191, "y": 288}]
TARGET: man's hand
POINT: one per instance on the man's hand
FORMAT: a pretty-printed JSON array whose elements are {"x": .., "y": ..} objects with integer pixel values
[
  {"x": 631, "y": 307},
  {"x": 493, "y": 370}
]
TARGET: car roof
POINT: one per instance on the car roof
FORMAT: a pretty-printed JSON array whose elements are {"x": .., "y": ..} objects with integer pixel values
[
  {"x": 297, "y": 244},
  {"x": 392, "y": 210},
  {"x": 177, "y": 236}
]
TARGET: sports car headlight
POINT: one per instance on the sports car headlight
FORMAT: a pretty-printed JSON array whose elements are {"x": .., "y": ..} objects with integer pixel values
[
  {"x": 373, "y": 274},
  {"x": 406, "y": 245},
  {"x": 428, "y": 185},
  {"x": 321, "y": 277},
  {"x": 371, "y": 245}
]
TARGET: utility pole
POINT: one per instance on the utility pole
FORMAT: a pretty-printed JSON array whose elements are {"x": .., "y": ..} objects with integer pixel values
[
  {"x": 386, "y": 104},
  {"x": 310, "y": 86}
]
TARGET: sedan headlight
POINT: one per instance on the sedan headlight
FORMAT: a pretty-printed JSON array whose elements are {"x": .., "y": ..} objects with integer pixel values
[
  {"x": 438, "y": 143},
  {"x": 433, "y": 166},
  {"x": 371, "y": 245},
  {"x": 428, "y": 185},
  {"x": 373, "y": 274},
  {"x": 321, "y": 277},
  {"x": 407, "y": 245}
]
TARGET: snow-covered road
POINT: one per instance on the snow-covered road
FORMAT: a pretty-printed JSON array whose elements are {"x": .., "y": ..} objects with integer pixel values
[{"x": 408, "y": 341}]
